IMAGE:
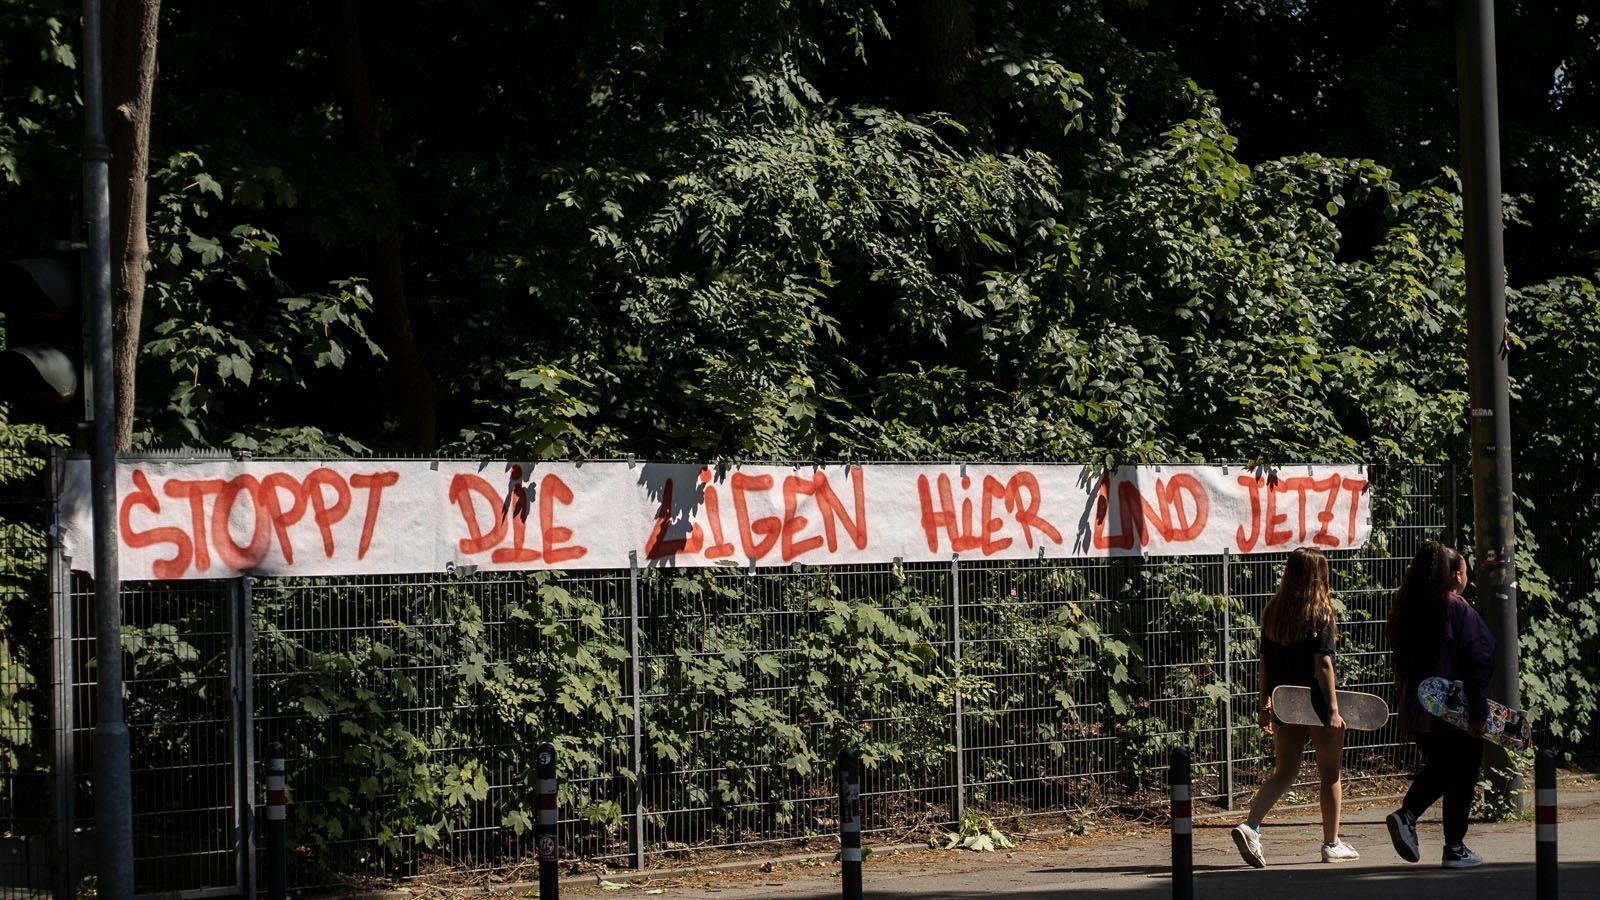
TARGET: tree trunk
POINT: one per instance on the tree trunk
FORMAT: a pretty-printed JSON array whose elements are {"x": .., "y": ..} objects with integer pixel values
[
  {"x": 938, "y": 55},
  {"x": 417, "y": 396},
  {"x": 130, "y": 76}
]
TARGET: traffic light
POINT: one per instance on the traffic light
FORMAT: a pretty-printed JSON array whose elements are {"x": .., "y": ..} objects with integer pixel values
[{"x": 42, "y": 374}]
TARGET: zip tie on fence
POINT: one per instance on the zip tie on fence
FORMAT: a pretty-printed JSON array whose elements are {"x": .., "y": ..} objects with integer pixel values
[
  {"x": 1544, "y": 780},
  {"x": 277, "y": 825},
  {"x": 1178, "y": 776},
  {"x": 850, "y": 822},
  {"x": 545, "y": 829}
]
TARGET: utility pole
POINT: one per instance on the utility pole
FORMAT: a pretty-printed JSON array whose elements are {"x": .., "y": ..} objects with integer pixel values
[
  {"x": 113, "y": 780},
  {"x": 1494, "y": 514}
]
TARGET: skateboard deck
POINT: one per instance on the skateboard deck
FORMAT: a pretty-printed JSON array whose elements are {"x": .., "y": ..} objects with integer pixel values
[
  {"x": 1291, "y": 703},
  {"x": 1447, "y": 702}
]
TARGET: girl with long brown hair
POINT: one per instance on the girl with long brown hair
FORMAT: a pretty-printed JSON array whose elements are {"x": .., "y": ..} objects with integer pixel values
[
  {"x": 1299, "y": 632},
  {"x": 1434, "y": 632}
]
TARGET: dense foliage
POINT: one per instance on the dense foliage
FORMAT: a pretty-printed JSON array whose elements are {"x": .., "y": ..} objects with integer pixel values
[
  {"x": 796, "y": 230},
  {"x": 621, "y": 234},
  {"x": 22, "y": 578}
]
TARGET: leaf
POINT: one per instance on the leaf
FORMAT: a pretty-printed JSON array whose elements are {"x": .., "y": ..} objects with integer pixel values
[
  {"x": 210, "y": 250},
  {"x": 472, "y": 671},
  {"x": 208, "y": 185},
  {"x": 235, "y": 367},
  {"x": 518, "y": 821}
]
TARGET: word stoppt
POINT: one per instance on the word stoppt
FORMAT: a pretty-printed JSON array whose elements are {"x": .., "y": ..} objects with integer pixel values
[
  {"x": 217, "y": 518},
  {"x": 271, "y": 504}
]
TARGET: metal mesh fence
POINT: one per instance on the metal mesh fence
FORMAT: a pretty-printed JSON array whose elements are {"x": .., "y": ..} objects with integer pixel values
[
  {"x": 696, "y": 710},
  {"x": 1564, "y": 546},
  {"x": 27, "y": 851}
]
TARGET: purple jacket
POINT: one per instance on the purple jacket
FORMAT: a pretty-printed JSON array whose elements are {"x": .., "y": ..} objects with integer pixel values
[{"x": 1464, "y": 655}]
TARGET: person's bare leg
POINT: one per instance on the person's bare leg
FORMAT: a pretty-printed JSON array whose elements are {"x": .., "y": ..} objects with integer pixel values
[
  {"x": 1289, "y": 744},
  {"x": 1329, "y": 744}
]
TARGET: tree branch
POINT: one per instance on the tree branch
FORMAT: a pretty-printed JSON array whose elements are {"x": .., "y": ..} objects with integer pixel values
[{"x": 130, "y": 55}]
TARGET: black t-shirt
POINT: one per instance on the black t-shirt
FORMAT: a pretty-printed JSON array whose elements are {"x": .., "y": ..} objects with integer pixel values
[{"x": 1296, "y": 663}]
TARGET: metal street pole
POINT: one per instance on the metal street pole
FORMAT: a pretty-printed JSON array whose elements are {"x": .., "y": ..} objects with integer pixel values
[
  {"x": 113, "y": 782},
  {"x": 1494, "y": 515}
]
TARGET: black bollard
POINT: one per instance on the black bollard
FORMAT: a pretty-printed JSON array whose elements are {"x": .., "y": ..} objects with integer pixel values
[
  {"x": 545, "y": 829},
  {"x": 850, "y": 822},
  {"x": 1544, "y": 780},
  {"x": 277, "y": 826},
  {"x": 1182, "y": 826}
]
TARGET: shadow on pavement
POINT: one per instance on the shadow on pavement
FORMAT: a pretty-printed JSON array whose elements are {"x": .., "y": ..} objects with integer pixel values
[
  {"x": 1152, "y": 871},
  {"x": 1492, "y": 881}
]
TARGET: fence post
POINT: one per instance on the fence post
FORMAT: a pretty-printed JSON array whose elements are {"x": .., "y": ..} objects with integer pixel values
[
  {"x": 1227, "y": 682},
  {"x": 1544, "y": 780},
  {"x": 960, "y": 723},
  {"x": 241, "y": 634},
  {"x": 62, "y": 711},
  {"x": 634, "y": 661},
  {"x": 1178, "y": 775},
  {"x": 277, "y": 826},
  {"x": 850, "y": 822},
  {"x": 545, "y": 828},
  {"x": 1452, "y": 488}
]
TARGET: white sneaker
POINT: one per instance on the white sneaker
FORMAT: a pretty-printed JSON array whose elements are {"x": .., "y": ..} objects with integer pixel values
[
  {"x": 1249, "y": 842},
  {"x": 1338, "y": 851}
]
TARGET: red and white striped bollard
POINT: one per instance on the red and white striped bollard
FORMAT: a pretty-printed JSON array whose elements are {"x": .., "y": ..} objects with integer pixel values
[
  {"x": 1179, "y": 776},
  {"x": 545, "y": 829},
  {"x": 1544, "y": 780},
  {"x": 277, "y": 825}
]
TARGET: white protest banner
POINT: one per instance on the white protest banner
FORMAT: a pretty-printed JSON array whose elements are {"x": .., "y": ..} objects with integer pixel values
[{"x": 216, "y": 518}]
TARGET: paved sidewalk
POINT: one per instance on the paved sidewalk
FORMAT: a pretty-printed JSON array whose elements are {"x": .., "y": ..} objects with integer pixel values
[{"x": 1136, "y": 866}]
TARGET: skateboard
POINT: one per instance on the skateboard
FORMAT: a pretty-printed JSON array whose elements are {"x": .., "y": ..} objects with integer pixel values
[
  {"x": 1447, "y": 701},
  {"x": 1291, "y": 703}
]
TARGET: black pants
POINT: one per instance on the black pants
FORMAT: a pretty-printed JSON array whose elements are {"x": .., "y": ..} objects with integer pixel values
[{"x": 1449, "y": 770}]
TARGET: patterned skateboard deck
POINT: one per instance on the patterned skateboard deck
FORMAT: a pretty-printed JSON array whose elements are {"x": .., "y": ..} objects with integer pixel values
[
  {"x": 1447, "y": 701},
  {"x": 1291, "y": 703}
]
